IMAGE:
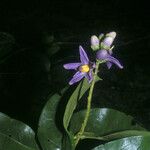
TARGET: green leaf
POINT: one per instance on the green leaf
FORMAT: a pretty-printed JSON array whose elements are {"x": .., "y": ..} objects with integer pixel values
[
  {"x": 105, "y": 124},
  {"x": 68, "y": 142},
  {"x": 14, "y": 130},
  {"x": 6, "y": 44},
  {"x": 73, "y": 101},
  {"x": 71, "y": 105},
  {"x": 129, "y": 143},
  {"x": 7, "y": 143},
  {"x": 49, "y": 135}
]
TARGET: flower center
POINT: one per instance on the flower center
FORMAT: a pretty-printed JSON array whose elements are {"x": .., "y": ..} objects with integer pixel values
[{"x": 84, "y": 68}]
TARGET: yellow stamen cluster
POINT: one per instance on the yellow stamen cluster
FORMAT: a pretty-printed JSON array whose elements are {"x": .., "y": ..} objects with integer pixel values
[{"x": 84, "y": 68}]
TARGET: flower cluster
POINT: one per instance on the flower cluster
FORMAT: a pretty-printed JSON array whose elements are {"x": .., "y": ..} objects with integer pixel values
[{"x": 103, "y": 47}]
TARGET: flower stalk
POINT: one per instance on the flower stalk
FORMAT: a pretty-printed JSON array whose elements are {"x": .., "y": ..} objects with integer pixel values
[{"x": 82, "y": 129}]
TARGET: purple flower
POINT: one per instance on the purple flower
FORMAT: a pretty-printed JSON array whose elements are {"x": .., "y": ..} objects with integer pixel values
[
  {"x": 83, "y": 68},
  {"x": 106, "y": 56},
  {"x": 103, "y": 46}
]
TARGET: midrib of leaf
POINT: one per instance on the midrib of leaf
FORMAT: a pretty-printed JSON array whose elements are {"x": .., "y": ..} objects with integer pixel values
[{"x": 117, "y": 135}]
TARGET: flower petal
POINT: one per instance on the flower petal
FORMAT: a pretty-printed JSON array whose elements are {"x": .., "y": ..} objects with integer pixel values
[
  {"x": 102, "y": 54},
  {"x": 83, "y": 56},
  {"x": 108, "y": 41},
  {"x": 77, "y": 77},
  {"x": 109, "y": 64},
  {"x": 93, "y": 65},
  {"x": 89, "y": 76},
  {"x": 71, "y": 65},
  {"x": 110, "y": 51},
  {"x": 115, "y": 61}
]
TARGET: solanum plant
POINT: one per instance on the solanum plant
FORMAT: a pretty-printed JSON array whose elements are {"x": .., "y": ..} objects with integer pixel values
[
  {"x": 64, "y": 128},
  {"x": 104, "y": 47}
]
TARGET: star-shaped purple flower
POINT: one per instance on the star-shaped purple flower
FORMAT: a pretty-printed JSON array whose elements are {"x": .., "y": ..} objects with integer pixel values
[{"x": 83, "y": 68}]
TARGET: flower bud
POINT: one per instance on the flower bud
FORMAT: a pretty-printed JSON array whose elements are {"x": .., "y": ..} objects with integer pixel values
[
  {"x": 111, "y": 34},
  {"x": 108, "y": 40},
  {"x": 94, "y": 43},
  {"x": 101, "y": 36}
]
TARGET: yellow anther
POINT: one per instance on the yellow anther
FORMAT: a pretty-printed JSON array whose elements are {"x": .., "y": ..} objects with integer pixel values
[{"x": 84, "y": 68}]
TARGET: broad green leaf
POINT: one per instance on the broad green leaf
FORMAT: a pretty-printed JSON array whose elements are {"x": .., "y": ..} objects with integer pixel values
[
  {"x": 105, "y": 124},
  {"x": 129, "y": 143},
  {"x": 49, "y": 135},
  {"x": 6, "y": 44},
  {"x": 17, "y": 131}
]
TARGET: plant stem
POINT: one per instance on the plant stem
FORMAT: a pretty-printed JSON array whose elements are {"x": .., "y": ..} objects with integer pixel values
[{"x": 80, "y": 133}]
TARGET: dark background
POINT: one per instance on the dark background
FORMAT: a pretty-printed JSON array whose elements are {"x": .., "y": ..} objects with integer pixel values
[{"x": 29, "y": 73}]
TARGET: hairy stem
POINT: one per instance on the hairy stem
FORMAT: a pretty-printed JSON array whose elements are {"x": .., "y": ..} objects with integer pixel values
[{"x": 80, "y": 133}]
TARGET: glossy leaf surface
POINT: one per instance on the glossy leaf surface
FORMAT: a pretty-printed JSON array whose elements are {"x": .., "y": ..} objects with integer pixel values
[
  {"x": 104, "y": 123},
  {"x": 130, "y": 143},
  {"x": 49, "y": 135},
  {"x": 15, "y": 131}
]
